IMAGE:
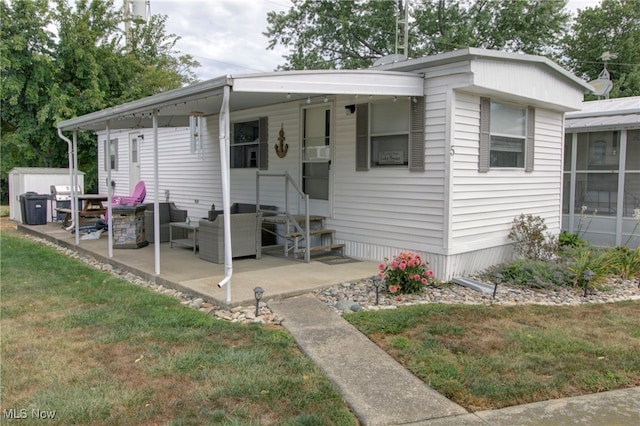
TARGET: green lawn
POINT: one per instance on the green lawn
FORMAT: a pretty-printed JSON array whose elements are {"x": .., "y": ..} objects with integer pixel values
[
  {"x": 98, "y": 350},
  {"x": 486, "y": 357}
]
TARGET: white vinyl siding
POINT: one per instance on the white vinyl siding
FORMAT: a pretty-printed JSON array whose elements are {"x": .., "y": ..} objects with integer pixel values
[
  {"x": 483, "y": 205},
  {"x": 390, "y": 207}
]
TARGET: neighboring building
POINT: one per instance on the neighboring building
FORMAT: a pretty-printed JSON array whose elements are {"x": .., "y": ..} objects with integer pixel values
[
  {"x": 602, "y": 172},
  {"x": 434, "y": 155}
]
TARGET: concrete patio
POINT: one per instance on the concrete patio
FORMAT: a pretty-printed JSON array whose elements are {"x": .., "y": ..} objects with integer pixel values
[{"x": 183, "y": 270}]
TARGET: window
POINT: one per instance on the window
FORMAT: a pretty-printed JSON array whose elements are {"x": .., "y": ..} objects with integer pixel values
[
  {"x": 389, "y": 131},
  {"x": 390, "y": 134},
  {"x": 111, "y": 154},
  {"x": 506, "y": 136},
  {"x": 249, "y": 145}
]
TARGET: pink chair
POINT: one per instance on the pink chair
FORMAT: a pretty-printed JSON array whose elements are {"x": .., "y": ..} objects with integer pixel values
[{"x": 139, "y": 193}]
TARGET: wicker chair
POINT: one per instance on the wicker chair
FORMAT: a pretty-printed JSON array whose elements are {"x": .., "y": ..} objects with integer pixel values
[
  {"x": 245, "y": 237},
  {"x": 168, "y": 213}
]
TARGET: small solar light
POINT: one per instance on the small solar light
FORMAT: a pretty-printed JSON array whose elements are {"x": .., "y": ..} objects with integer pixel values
[
  {"x": 377, "y": 282},
  {"x": 587, "y": 276},
  {"x": 257, "y": 293},
  {"x": 497, "y": 279}
]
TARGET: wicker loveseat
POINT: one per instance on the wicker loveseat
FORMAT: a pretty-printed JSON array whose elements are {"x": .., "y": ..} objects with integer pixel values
[
  {"x": 245, "y": 237},
  {"x": 168, "y": 213},
  {"x": 268, "y": 229}
]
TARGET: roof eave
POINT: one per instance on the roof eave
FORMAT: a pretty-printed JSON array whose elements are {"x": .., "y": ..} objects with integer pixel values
[{"x": 144, "y": 105}]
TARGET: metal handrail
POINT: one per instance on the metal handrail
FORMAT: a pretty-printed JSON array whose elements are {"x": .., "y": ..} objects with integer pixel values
[{"x": 288, "y": 180}]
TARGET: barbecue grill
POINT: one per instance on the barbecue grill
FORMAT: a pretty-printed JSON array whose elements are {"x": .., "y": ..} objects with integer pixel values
[{"x": 61, "y": 198}]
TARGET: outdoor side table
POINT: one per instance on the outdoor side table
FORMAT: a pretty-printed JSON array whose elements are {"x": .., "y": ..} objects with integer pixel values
[{"x": 192, "y": 235}]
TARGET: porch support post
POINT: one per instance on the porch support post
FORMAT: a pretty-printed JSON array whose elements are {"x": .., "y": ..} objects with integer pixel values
[
  {"x": 74, "y": 193},
  {"x": 573, "y": 183},
  {"x": 74, "y": 188},
  {"x": 109, "y": 208},
  {"x": 156, "y": 196},
  {"x": 622, "y": 168},
  {"x": 224, "y": 141}
]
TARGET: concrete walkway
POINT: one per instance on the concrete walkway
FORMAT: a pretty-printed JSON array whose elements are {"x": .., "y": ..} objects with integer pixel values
[{"x": 380, "y": 391}]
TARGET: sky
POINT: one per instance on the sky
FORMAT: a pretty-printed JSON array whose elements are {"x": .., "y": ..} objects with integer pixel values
[{"x": 225, "y": 36}]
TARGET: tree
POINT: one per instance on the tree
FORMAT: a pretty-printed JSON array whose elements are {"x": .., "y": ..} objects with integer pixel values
[
  {"x": 324, "y": 34},
  {"x": 352, "y": 34},
  {"x": 62, "y": 62},
  {"x": 612, "y": 27}
]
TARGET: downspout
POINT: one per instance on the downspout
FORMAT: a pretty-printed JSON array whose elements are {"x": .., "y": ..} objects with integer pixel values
[
  {"x": 74, "y": 195},
  {"x": 224, "y": 141},
  {"x": 74, "y": 182},
  {"x": 156, "y": 196},
  {"x": 109, "y": 209}
]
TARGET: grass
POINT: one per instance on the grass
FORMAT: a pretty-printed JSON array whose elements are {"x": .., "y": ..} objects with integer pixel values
[
  {"x": 488, "y": 357},
  {"x": 99, "y": 350},
  {"x": 4, "y": 211}
]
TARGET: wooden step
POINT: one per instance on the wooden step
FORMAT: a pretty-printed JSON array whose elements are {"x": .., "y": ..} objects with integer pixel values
[
  {"x": 311, "y": 233},
  {"x": 327, "y": 247},
  {"x": 299, "y": 219}
]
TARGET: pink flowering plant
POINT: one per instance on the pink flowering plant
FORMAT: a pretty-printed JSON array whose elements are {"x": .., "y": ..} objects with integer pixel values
[{"x": 406, "y": 273}]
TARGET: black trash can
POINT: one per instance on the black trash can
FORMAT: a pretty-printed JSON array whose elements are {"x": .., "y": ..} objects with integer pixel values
[{"x": 34, "y": 208}]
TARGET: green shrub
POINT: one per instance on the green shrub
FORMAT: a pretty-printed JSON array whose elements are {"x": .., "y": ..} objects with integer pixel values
[
  {"x": 567, "y": 239},
  {"x": 536, "y": 274},
  {"x": 530, "y": 240},
  {"x": 623, "y": 262},
  {"x": 581, "y": 259}
]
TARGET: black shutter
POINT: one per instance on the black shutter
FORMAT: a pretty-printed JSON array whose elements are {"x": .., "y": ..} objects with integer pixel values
[
  {"x": 416, "y": 147},
  {"x": 485, "y": 137},
  {"x": 530, "y": 150},
  {"x": 362, "y": 137},
  {"x": 264, "y": 143}
]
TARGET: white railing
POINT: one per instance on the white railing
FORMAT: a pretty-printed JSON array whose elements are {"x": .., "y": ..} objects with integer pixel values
[{"x": 290, "y": 218}]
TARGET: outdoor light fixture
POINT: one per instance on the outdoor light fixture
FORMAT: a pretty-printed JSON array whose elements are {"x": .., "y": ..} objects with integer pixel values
[
  {"x": 308, "y": 100},
  {"x": 257, "y": 293},
  {"x": 587, "y": 276},
  {"x": 497, "y": 279},
  {"x": 377, "y": 281},
  {"x": 325, "y": 100}
]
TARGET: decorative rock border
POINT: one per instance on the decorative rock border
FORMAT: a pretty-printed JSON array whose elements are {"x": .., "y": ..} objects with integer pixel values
[{"x": 353, "y": 297}]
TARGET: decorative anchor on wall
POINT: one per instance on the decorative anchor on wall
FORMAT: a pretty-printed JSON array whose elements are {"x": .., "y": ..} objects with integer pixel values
[{"x": 281, "y": 148}]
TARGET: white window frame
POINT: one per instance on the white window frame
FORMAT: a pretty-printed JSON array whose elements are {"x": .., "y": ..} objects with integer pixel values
[
  {"x": 489, "y": 137},
  {"x": 111, "y": 156}
]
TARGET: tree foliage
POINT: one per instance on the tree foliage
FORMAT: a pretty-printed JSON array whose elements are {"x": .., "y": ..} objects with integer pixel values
[
  {"x": 61, "y": 62},
  {"x": 352, "y": 34},
  {"x": 612, "y": 27}
]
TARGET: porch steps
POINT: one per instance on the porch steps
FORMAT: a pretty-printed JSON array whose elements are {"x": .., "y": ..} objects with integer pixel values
[
  {"x": 320, "y": 238},
  {"x": 311, "y": 233}
]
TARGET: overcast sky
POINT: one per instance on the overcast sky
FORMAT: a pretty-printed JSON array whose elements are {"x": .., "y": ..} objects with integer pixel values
[{"x": 225, "y": 36}]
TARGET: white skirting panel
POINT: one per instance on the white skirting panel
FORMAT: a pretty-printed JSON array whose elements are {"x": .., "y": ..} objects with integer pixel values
[{"x": 444, "y": 267}]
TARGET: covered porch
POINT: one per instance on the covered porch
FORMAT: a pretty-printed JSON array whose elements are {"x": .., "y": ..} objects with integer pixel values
[
  {"x": 182, "y": 270},
  {"x": 216, "y": 99}
]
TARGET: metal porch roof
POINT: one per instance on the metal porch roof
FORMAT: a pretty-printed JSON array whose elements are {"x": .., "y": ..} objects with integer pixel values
[
  {"x": 247, "y": 91},
  {"x": 607, "y": 114}
]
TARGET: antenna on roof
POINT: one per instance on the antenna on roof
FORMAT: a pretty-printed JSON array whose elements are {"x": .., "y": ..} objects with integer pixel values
[
  {"x": 602, "y": 85},
  {"x": 402, "y": 37},
  {"x": 402, "y": 29}
]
